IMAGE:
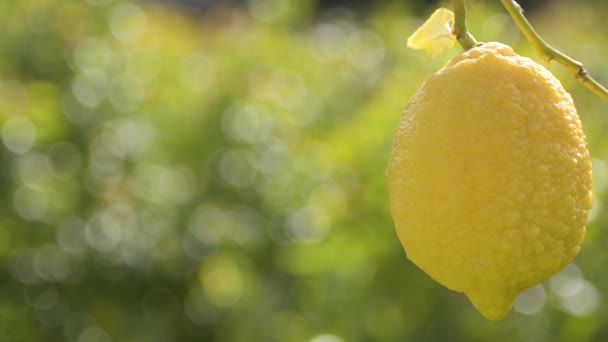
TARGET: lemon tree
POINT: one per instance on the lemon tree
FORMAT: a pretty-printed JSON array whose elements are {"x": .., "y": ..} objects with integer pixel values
[{"x": 490, "y": 177}]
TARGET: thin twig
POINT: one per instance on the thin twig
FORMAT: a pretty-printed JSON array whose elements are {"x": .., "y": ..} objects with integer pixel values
[
  {"x": 460, "y": 30},
  {"x": 549, "y": 53}
]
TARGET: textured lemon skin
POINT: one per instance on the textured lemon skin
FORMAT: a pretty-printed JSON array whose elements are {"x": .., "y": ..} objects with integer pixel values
[{"x": 490, "y": 177}]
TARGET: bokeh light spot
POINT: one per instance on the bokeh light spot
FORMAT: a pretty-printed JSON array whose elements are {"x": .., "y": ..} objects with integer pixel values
[
  {"x": 326, "y": 338},
  {"x": 126, "y": 91},
  {"x": 103, "y": 232},
  {"x": 31, "y": 202},
  {"x": 70, "y": 235},
  {"x": 34, "y": 168},
  {"x": 283, "y": 88},
  {"x": 567, "y": 282},
  {"x": 236, "y": 168},
  {"x": 89, "y": 87},
  {"x": 530, "y": 301},
  {"x": 331, "y": 197},
  {"x": 133, "y": 136},
  {"x": 329, "y": 40},
  {"x": 576, "y": 296},
  {"x": 94, "y": 334},
  {"x": 247, "y": 124},
  {"x": 94, "y": 53},
  {"x": 51, "y": 263},
  {"x": 583, "y": 302},
  {"x": 127, "y": 21},
  {"x": 366, "y": 50},
  {"x": 18, "y": 134},
  {"x": 272, "y": 159},
  {"x": 222, "y": 281},
  {"x": 164, "y": 185},
  {"x": 308, "y": 224},
  {"x": 209, "y": 224},
  {"x": 22, "y": 267}
]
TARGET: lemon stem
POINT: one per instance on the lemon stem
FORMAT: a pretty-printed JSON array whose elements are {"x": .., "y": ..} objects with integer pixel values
[
  {"x": 549, "y": 53},
  {"x": 460, "y": 30}
]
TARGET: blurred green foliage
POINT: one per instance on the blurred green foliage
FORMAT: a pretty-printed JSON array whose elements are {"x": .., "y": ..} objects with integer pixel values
[{"x": 220, "y": 176}]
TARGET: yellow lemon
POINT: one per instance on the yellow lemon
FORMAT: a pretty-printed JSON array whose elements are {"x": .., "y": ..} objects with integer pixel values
[{"x": 490, "y": 177}]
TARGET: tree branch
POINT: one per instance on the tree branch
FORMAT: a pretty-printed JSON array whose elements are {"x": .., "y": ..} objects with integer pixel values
[
  {"x": 548, "y": 53},
  {"x": 460, "y": 30}
]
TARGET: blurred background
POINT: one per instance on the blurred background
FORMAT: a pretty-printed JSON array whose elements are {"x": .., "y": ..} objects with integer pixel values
[{"x": 214, "y": 171}]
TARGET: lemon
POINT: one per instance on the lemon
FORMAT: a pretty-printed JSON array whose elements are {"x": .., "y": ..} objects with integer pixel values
[{"x": 490, "y": 177}]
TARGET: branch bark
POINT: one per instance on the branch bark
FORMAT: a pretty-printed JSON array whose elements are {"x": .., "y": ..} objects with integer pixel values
[{"x": 549, "y": 53}]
